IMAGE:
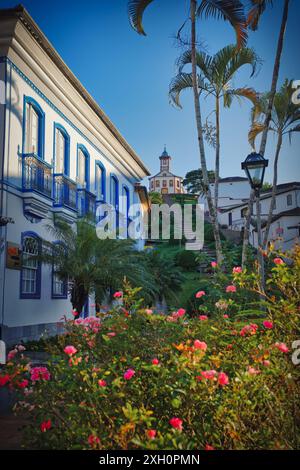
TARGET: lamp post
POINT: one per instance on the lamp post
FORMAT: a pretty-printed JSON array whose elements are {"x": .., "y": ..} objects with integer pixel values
[{"x": 255, "y": 166}]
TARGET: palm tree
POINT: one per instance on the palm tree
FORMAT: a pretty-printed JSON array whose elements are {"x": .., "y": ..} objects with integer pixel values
[
  {"x": 230, "y": 10},
  {"x": 215, "y": 77},
  {"x": 285, "y": 120},
  {"x": 91, "y": 264},
  {"x": 254, "y": 15}
]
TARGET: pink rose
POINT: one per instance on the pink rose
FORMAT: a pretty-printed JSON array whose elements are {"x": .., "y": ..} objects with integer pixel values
[
  {"x": 149, "y": 311},
  {"x": 200, "y": 345},
  {"x": 70, "y": 350},
  {"x": 230, "y": 288},
  {"x": 225, "y": 316},
  {"x": 151, "y": 433},
  {"x": 45, "y": 425},
  {"x": 208, "y": 447},
  {"x": 278, "y": 261},
  {"x": 4, "y": 379},
  {"x": 214, "y": 264},
  {"x": 252, "y": 371},
  {"x": 111, "y": 334},
  {"x": 93, "y": 441},
  {"x": 23, "y": 383},
  {"x": 208, "y": 374},
  {"x": 129, "y": 374},
  {"x": 39, "y": 373},
  {"x": 200, "y": 294},
  {"x": 12, "y": 354},
  {"x": 266, "y": 363},
  {"x": 223, "y": 379},
  {"x": 176, "y": 423},
  {"x": 155, "y": 361},
  {"x": 180, "y": 312},
  {"x": 237, "y": 270},
  {"x": 282, "y": 347},
  {"x": 102, "y": 383},
  {"x": 268, "y": 324},
  {"x": 118, "y": 294},
  {"x": 203, "y": 317}
]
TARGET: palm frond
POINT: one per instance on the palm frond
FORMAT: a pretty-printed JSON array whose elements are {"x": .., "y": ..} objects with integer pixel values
[
  {"x": 258, "y": 8},
  {"x": 255, "y": 130},
  {"x": 136, "y": 10},
  {"x": 230, "y": 10},
  {"x": 181, "y": 82},
  {"x": 203, "y": 61},
  {"x": 248, "y": 93}
]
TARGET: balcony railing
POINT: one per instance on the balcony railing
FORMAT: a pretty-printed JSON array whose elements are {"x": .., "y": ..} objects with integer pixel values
[
  {"x": 65, "y": 192},
  {"x": 86, "y": 203},
  {"x": 37, "y": 174}
]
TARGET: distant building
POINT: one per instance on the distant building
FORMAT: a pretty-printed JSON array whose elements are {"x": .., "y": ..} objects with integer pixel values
[
  {"x": 165, "y": 182},
  {"x": 285, "y": 227}
]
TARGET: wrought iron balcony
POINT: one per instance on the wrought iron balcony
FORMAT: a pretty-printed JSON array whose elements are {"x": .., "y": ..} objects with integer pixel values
[
  {"x": 65, "y": 192},
  {"x": 36, "y": 174},
  {"x": 86, "y": 203}
]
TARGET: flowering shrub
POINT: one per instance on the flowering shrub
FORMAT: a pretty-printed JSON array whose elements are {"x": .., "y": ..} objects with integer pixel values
[{"x": 138, "y": 379}]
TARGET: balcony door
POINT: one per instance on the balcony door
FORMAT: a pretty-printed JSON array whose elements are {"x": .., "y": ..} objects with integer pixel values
[
  {"x": 32, "y": 130},
  {"x": 60, "y": 152}
]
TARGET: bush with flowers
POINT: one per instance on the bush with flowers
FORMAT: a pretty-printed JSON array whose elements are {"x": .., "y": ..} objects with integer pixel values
[{"x": 134, "y": 378}]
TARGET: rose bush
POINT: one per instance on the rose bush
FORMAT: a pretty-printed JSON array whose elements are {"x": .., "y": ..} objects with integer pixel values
[{"x": 138, "y": 379}]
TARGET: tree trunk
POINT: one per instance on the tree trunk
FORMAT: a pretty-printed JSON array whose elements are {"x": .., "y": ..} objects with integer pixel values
[
  {"x": 274, "y": 189},
  {"x": 210, "y": 203},
  {"x": 78, "y": 298},
  {"x": 263, "y": 142},
  {"x": 217, "y": 162},
  {"x": 259, "y": 245},
  {"x": 247, "y": 228}
]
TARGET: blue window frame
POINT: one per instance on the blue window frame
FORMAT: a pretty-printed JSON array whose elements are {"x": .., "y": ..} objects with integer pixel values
[
  {"x": 59, "y": 287},
  {"x": 83, "y": 167},
  {"x": 114, "y": 191},
  {"x": 61, "y": 150},
  {"x": 30, "y": 278},
  {"x": 33, "y": 140},
  {"x": 100, "y": 181}
]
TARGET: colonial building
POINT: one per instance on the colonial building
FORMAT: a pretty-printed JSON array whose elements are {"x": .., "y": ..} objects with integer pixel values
[
  {"x": 165, "y": 182},
  {"x": 285, "y": 228},
  {"x": 59, "y": 155}
]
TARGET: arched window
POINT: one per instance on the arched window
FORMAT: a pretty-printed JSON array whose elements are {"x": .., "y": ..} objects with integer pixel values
[
  {"x": 31, "y": 266},
  {"x": 100, "y": 181},
  {"x": 59, "y": 285},
  {"x": 34, "y": 125},
  {"x": 61, "y": 150},
  {"x": 83, "y": 167},
  {"x": 114, "y": 191}
]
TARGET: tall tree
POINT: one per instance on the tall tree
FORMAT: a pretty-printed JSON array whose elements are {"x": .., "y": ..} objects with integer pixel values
[
  {"x": 230, "y": 10},
  {"x": 254, "y": 16},
  {"x": 215, "y": 77},
  {"x": 285, "y": 120},
  {"x": 193, "y": 181}
]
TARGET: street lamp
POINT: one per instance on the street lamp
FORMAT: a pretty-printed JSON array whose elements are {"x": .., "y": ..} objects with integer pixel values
[{"x": 255, "y": 166}]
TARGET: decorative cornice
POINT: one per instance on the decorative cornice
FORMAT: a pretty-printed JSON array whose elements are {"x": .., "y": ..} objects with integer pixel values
[{"x": 21, "y": 13}]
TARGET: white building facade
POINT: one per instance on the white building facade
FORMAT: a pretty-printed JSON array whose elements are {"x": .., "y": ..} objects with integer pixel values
[
  {"x": 284, "y": 230},
  {"x": 59, "y": 155}
]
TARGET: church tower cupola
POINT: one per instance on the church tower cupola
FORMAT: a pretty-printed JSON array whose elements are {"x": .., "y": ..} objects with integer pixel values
[{"x": 165, "y": 160}]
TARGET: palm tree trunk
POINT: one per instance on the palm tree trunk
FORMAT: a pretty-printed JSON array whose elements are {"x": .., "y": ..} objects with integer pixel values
[
  {"x": 263, "y": 142},
  {"x": 275, "y": 77},
  {"x": 274, "y": 189},
  {"x": 247, "y": 228},
  {"x": 78, "y": 298},
  {"x": 217, "y": 162},
  {"x": 210, "y": 203}
]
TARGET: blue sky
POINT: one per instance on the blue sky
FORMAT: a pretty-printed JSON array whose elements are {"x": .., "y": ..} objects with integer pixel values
[{"x": 129, "y": 75}]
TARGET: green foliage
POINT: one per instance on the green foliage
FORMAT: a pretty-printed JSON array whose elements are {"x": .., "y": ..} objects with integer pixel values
[
  {"x": 249, "y": 400},
  {"x": 187, "y": 260},
  {"x": 193, "y": 181}
]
